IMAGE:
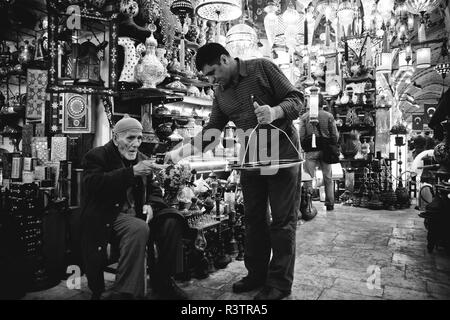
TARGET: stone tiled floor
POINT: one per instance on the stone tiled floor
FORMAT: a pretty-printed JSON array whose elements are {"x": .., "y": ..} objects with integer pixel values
[{"x": 336, "y": 253}]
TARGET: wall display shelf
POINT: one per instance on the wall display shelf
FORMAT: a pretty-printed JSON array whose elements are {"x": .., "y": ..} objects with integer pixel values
[{"x": 198, "y": 101}]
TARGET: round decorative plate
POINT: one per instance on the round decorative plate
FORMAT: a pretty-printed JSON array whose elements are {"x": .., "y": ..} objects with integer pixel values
[{"x": 76, "y": 106}]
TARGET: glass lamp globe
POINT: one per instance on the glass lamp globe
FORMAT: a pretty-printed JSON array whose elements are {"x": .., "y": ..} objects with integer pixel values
[{"x": 241, "y": 41}]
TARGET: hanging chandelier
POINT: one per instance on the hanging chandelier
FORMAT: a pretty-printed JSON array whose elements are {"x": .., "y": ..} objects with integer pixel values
[
  {"x": 423, "y": 58},
  {"x": 219, "y": 10},
  {"x": 242, "y": 41},
  {"x": 181, "y": 8},
  {"x": 421, "y": 6},
  {"x": 271, "y": 22},
  {"x": 385, "y": 8},
  {"x": 443, "y": 67},
  {"x": 290, "y": 15},
  {"x": 345, "y": 13}
]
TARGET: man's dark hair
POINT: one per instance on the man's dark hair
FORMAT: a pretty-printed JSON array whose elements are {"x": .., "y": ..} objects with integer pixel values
[{"x": 209, "y": 54}]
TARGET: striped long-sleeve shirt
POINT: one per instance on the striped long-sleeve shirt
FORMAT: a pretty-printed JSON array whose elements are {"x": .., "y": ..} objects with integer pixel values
[{"x": 267, "y": 83}]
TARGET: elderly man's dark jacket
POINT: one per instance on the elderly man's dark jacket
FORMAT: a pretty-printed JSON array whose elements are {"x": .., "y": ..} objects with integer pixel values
[{"x": 105, "y": 183}]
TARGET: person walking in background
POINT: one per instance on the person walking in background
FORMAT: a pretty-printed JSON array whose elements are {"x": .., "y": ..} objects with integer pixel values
[{"x": 326, "y": 128}]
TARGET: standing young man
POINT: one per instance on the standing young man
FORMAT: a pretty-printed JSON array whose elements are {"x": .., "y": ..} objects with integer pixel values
[{"x": 256, "y": 93}]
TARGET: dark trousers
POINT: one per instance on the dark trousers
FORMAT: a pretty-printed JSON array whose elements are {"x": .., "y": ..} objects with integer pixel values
[
  {"x": 279, "y": 237},
  {"x": 131, "y": 234},
  {"x": 165, "y": 236}
]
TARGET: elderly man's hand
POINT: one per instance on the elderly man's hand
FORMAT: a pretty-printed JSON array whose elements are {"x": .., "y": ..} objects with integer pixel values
[
  {"x": 142, "y": 168},
  {"x": 265, "y": 114}
]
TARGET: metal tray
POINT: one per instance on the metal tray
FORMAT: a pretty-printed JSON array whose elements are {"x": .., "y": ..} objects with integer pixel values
[{"x": 274, "y": 164}]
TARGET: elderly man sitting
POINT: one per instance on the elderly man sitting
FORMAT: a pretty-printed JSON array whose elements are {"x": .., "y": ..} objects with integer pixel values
[{"x": 117, "y": 185}]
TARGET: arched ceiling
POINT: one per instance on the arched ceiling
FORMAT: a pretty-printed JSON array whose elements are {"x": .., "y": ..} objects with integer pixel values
[
  {"x": 413, "y": 90},
  {"x": 425, "y": 86}
]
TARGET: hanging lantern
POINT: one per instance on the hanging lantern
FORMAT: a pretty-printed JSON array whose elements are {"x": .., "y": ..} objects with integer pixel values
[
  {"x": 290, "y": 15},
  {"x": 385, "y": 8},
  {"x": 241, "y": 41},
  {"x": 423, "y": 58},
  {"x": 345, "y": 13},
  {"x": 418, "y": 6},
  {"x": 333, "y": 88},
  {"x": 270, "y": 23},
  {"x": 219, "y": 10},
  {"x": 442, "y": 69},
  {"x": 282, "y": 55},
  {"x": 314, "y": 104},
  {"x": 384, "y": 62},
  {"x": 290, "y": 35},
  {"x": 404, "y": 63},
  {"x": 181, "y": 8}
]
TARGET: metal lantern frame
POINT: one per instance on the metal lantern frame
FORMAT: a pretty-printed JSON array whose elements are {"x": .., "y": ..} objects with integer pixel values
[{"x": 109, "y": 22}]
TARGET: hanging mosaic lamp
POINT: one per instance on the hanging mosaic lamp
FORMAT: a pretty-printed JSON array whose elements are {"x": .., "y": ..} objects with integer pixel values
[
  {"x": 419, "y": 6},
  {"x": 181, "y": 8},
  {"x": 241, "y": 41},
  {"x": 219, "y": 10},
  {"x": 423, "y": 58}
]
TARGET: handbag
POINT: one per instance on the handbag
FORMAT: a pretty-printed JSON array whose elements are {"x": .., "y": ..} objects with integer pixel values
[
  {"x": 307, "y": 209},
  {"x": 330, "y": 150},
  {"x": 307, "y": 143},
  {"x": 330, "y": 153}
]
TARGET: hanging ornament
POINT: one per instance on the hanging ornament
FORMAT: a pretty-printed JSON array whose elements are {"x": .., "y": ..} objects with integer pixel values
[{"x": 327, "y": 34}]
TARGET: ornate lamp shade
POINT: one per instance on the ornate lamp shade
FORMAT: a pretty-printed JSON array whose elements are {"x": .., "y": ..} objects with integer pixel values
[
  {"x": 419, "y": 6},
  {"x": 333, "y": 87},
  {"x": 290, "y": 15},
  {"x": 384, "y": 62},
  {"x": 314, "y": 104},
  {"x": 241, "y": 41},
  {"x": 403, "y": 63},
  {"x": 345, "y": 13},
  {"x": 282, "y": 56},
  {"x": 423, "y": 58},
  {"x": 219, "y": 10},
  {"x": 442, "y": 68},
  {"x": 270, "y": 23},
  {"x": 385, "y": 8},
  {"x": 181, "y": 8}
]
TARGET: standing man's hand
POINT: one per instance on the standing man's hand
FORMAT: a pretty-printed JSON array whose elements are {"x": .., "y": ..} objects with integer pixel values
[
  {"x": 266, "y": 114},
  {"x": 173, "y": 156},
  {"x": 148, "y": 211}
]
